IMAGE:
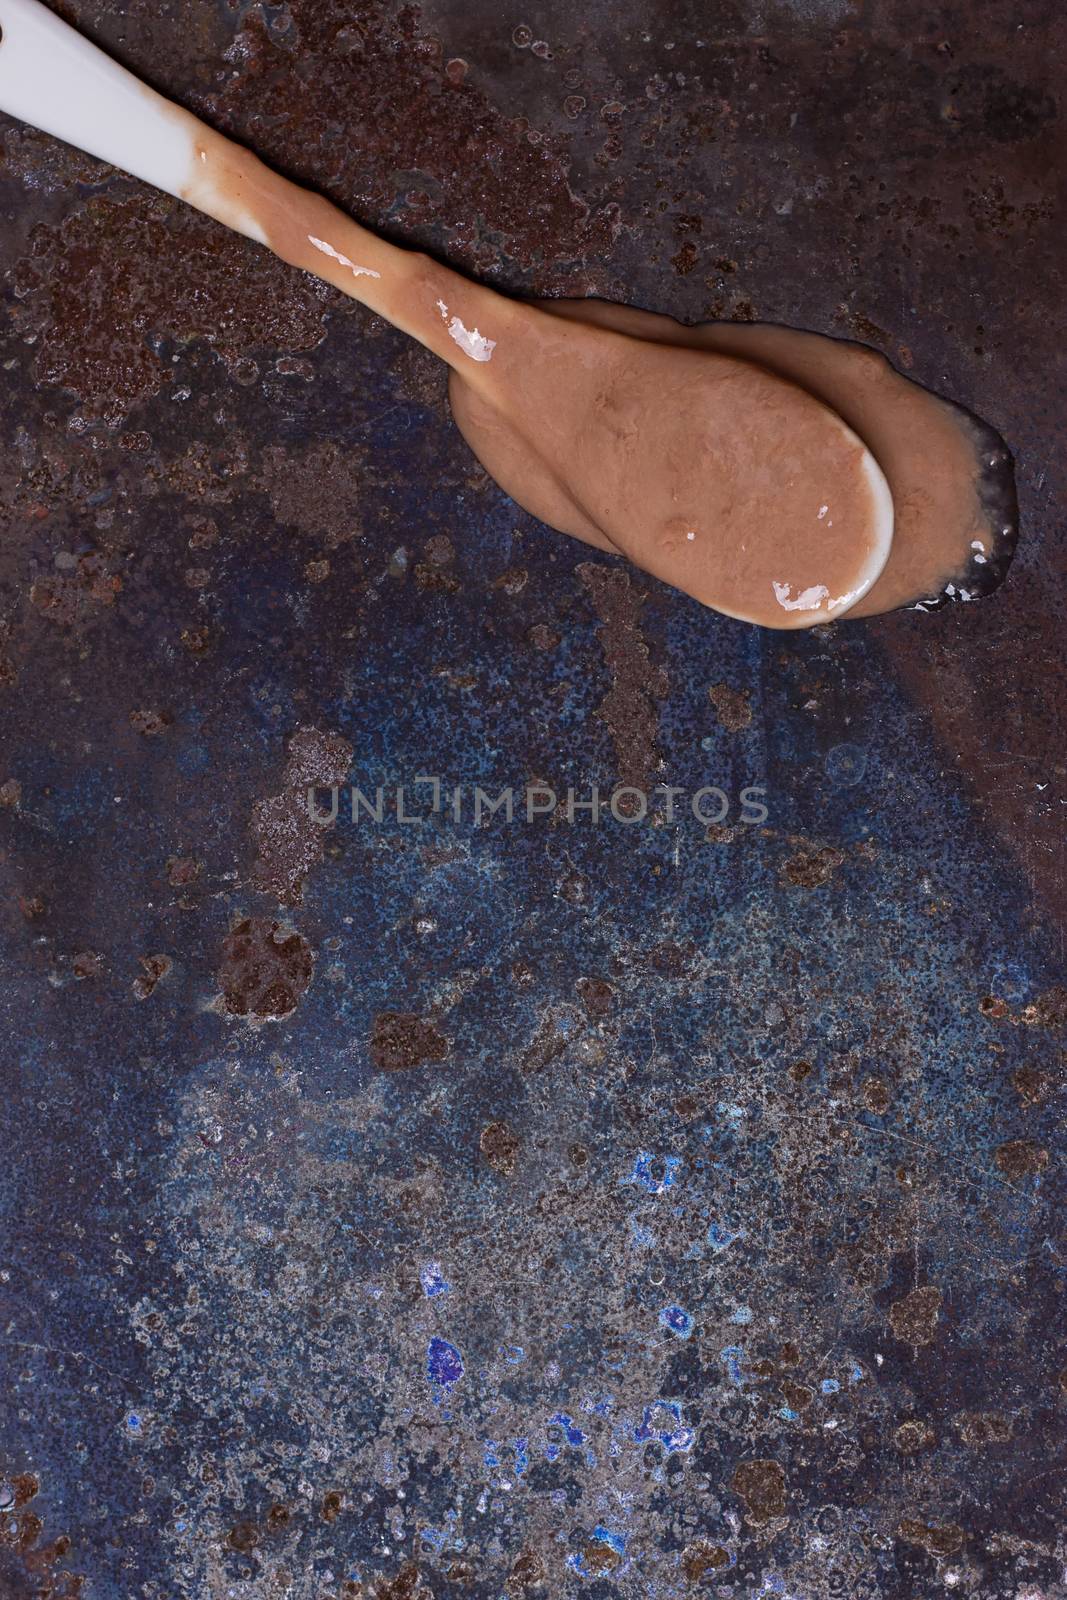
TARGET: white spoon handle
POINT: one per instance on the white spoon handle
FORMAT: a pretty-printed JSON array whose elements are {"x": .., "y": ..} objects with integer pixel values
[{"x": 56, "y": 80}]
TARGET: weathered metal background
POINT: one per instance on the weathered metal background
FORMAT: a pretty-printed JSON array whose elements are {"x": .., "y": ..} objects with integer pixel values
[{"x": 626, "y": 1210}]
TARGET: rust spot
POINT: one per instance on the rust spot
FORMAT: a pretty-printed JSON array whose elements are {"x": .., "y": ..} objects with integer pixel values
[
  {"x": 572, "y": 887},
  {"x": 265, "y": 968},
  {"x": 939, "y": 1539},
  {"x": 596, "y": 995},
  {"x": 876, "y": 1096},
  {"x": 458, "y": 680},
  {"x": 863, "y": 327},
  {"x": 549, "y": 1041},
  {"x": 106, "y": 277},
  {"x": 978, "y": 1428},
  {"x": 1049, "y": 1010},
  {"x": 703, "y": 1557},
  {"x": 499, "y": 1146},
  {"x": 332, "y": 1504},
  {"x": 243, "y": 1536},
  {"x": 73, "y": 595},
  {"x": 812, "y": 866},
  {"x": 434, "y": 580},
  {"x": 210, "y": 476},
  {"x": 761, "y": 1486},
  {"x": 542, "y": 637},
  {"x": 28, "y": 1529},
  {"x": 600, "y": 1557},
  {"x": 88, "y": 964},
  {"x": 150, "y": 723},
  {"x": 155, "y": 969},
  {"x": 317, "y": 491},
  {"x": 914, "y": 1319},
  {"x": 181, "y": 871},
  {"x": 401, "y": 1039},
  {"x": 732, "y": 706},
  {"x": 670, "y": 960},
  {"x": 1021, "y": 1158},
  {"x": 509, "y": 193},
  {"x": 196, "y": 640},
  {"x": 686, "y": 259},
  {"x": 205, "y": 533},
  {"x": 629, "y": 708},
  {"x": 439, "y": 551},
  {"x": 10, "y": 792},
  {"x": 31, "y": 1568},
  {"x": 796, "y": 1395},
  {"x": 527, "y": 1570},
  {"x": 913, "y": 1435},
  {"x": 403, "y": 1587},
  {"x": 513, "y": 581},
  {"x": 1031, "y": 1085},
  {"x": 288, "y": 842}
]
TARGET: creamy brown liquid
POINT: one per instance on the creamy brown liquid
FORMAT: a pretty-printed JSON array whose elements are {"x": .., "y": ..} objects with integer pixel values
[
  {"x": 739, "y": 463},
  {"x": 950, "y": 473}
]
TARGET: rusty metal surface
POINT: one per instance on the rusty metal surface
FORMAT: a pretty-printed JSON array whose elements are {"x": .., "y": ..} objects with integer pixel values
[{"x": 531, "y": 1209}]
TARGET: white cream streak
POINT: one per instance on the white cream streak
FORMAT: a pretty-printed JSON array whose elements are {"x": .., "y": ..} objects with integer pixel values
[
  {"x": 807, "y": 600},
  {"x": 335, "y": 255},
  {"x": 53, "y": 78},
  {"x": 470, "y": 341}
]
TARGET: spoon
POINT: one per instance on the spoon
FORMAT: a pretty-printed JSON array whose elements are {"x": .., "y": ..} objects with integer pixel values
[{"x": 718, "y": 474}]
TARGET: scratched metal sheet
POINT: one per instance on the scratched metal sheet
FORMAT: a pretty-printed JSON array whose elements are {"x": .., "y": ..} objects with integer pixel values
[{"x": 648, "y": 1208}]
